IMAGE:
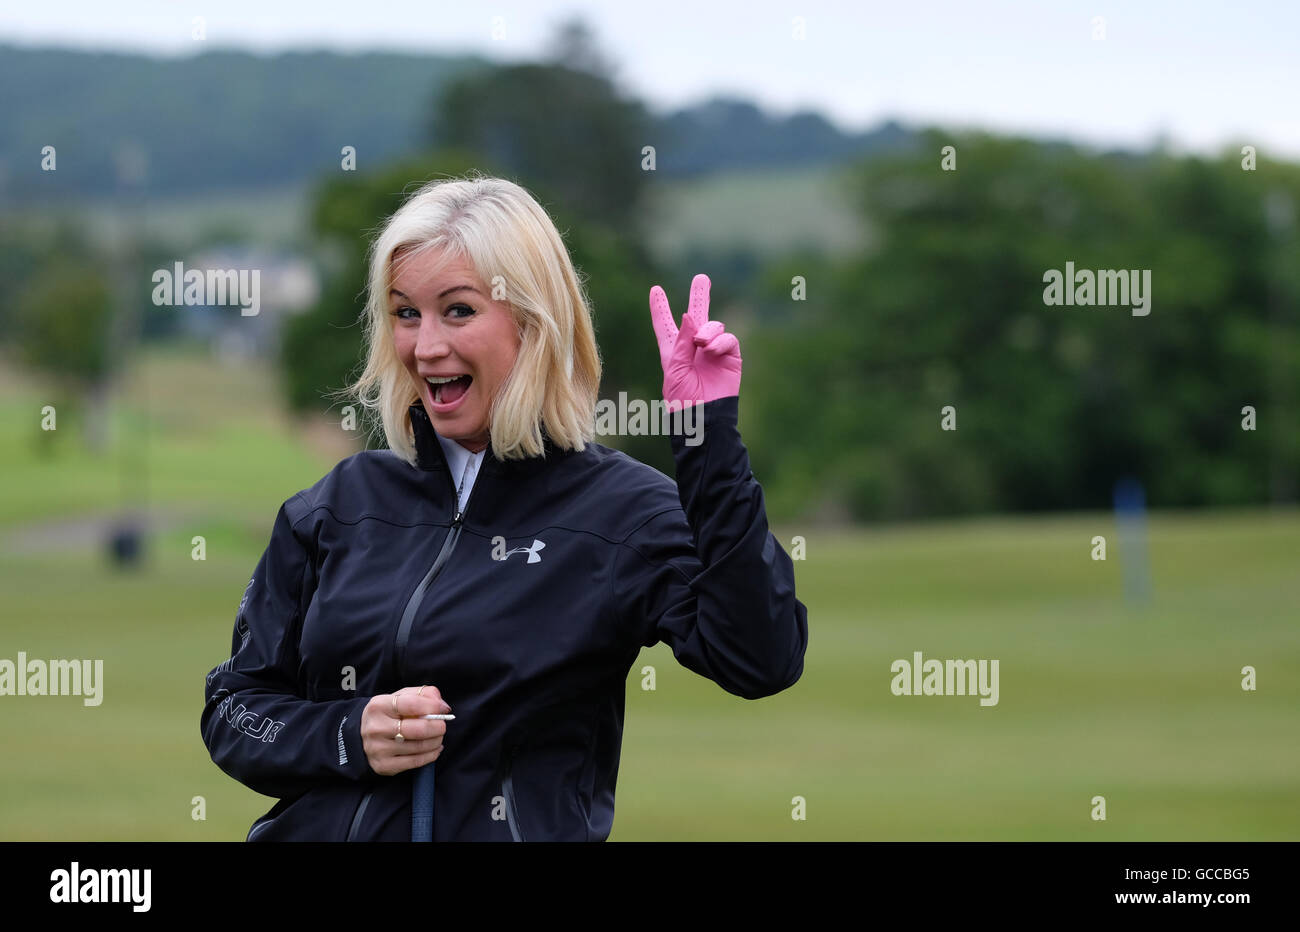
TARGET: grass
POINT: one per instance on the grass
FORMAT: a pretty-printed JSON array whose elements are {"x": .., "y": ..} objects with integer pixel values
[
  {"x": 217, "y": 441},
  {"x": 1141, "y": 704}
]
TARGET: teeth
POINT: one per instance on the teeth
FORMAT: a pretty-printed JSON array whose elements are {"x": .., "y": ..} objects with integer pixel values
[{"x": 438, "y": 382}]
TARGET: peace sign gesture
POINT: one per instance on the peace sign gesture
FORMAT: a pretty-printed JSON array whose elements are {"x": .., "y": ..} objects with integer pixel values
[{"x": 701, "y": 361}]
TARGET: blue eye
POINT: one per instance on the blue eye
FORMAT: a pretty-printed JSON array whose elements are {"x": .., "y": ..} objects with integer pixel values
[{"x": 401, "y": 314}]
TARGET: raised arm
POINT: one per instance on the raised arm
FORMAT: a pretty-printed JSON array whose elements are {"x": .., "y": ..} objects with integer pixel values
[{"x": 710, "y": 579}]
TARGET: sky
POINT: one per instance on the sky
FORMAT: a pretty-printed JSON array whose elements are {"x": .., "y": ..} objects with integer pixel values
[{"x": 1197, "y": 75}]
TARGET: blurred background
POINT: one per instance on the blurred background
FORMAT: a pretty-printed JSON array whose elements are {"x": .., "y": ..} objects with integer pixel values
[{"x": 874, "y": 277}]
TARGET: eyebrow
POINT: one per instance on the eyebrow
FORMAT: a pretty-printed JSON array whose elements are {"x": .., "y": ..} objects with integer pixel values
[{"x": 452, "y": 289}]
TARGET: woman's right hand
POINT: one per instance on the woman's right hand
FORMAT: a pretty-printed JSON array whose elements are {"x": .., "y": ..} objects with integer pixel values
[{"x": 422, "y": 738}]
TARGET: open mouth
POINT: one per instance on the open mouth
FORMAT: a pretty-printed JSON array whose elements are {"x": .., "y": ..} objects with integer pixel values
[{"x": 449, "y": 390}]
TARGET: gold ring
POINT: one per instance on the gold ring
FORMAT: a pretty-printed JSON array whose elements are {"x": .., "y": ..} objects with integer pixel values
[
  {"x": 394, "y": 703},
  {"x": 420, "y": 692},
  {"x": 399, "y": 739}
]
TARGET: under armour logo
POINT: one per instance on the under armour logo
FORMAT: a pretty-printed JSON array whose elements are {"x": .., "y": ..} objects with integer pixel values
[{"x": 533, "y": 551}]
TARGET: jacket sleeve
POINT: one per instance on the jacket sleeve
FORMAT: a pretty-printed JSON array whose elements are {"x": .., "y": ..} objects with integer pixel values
[
  {"x": 256, "y": 722},
  {"x": 708, "y": 578}
]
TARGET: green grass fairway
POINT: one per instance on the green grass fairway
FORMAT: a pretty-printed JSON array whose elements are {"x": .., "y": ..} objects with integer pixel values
[{"x": 1141, "y": 705}]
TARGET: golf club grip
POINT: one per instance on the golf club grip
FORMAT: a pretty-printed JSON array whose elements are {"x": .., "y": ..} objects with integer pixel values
[{"x": 422, "y": 804}]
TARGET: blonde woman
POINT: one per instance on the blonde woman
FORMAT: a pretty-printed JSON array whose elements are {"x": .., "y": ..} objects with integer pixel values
[{"x": 494, "y": 564}]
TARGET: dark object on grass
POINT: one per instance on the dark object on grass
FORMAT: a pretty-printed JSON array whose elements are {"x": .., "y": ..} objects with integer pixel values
[{"x": 125, "y": 544}]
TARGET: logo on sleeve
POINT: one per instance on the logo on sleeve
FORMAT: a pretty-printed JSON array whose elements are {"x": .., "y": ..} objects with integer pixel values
[{"x": 249, "y": 723}]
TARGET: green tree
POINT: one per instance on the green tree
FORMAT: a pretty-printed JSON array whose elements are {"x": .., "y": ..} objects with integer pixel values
[
  {"x": 1054, "y": 404},
  {"x": 63, "y": 328},
  {"x": 566, "y": 131}
]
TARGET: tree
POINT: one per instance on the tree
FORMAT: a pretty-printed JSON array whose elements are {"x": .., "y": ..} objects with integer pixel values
[
  {"x": 566, "y": 131},
  {"x": 63, "y": 322},
  {"x": 1053, "y": 404}
]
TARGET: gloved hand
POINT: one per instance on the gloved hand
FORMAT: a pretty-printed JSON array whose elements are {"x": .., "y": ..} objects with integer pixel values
[{"x": 701, "y": 361}]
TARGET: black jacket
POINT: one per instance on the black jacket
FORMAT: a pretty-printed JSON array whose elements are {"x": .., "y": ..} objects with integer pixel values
[{"x": 371, "y": 573}]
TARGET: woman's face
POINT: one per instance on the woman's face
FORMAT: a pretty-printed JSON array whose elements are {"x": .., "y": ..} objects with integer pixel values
[{"x": 444, "y": 324}]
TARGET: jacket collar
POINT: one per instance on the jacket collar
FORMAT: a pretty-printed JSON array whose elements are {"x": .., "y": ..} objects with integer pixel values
[{"x": 429, "y": 455}]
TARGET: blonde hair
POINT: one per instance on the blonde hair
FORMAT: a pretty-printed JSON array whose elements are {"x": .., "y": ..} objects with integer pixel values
[{"x": 500, "y": 230}]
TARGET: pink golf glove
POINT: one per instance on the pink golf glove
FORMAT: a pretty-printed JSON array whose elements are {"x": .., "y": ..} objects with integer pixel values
[{"x": 701, "y": 361}]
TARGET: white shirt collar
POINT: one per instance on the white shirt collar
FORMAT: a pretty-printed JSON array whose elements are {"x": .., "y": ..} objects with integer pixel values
[{"x": 457, "y": 458}]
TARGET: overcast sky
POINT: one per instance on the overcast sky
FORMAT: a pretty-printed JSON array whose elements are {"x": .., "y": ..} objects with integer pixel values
[{"x": 1200, "y": 73}]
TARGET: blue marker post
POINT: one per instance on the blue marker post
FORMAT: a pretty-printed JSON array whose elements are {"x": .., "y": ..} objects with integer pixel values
[{"x": 1131, "y": 520}]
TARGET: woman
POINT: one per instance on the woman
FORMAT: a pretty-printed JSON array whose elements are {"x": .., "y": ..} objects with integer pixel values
[{"x": 494, "y": 563}]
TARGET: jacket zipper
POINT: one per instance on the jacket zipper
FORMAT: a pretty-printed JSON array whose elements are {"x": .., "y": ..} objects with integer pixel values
[
  {"x": 413, "y": 606},
  {"x": 358, "y": 815},
  {"x": 508, "y": 791}
]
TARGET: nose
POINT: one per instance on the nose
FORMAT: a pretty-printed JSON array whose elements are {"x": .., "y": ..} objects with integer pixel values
[{"x": 432, "y": 341}]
